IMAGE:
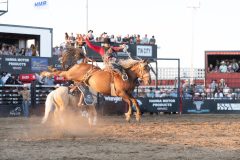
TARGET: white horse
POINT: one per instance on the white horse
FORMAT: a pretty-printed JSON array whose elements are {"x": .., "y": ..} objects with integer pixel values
[{"x": 59, "y": 101}]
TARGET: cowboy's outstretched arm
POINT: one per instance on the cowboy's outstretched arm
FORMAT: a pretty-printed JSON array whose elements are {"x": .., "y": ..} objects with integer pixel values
[{"x": 96, "y": 48}]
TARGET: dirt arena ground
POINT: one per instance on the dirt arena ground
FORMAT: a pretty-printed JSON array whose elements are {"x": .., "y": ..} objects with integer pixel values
[{"x": 167, "y": 137}]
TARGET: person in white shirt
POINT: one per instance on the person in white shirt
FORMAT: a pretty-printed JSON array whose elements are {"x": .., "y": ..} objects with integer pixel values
[
  {"x": 223, "y": 67},
  {"x": 145, "y": 40}
]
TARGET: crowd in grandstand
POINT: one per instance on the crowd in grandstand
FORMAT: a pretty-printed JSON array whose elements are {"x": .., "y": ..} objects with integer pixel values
[
  {"x": 225, "y": 66},
  {"x": 9, "y": 49},
  {"x": 78, "y": 39}
]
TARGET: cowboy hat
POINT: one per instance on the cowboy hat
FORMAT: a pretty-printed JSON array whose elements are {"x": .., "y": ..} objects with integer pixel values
[{"x": 90, "y": 31}]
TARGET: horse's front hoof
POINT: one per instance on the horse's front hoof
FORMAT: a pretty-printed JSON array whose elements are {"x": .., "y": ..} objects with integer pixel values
[
  {"x": 128, "y": 117},
  {"x": 138, "y": 117}
]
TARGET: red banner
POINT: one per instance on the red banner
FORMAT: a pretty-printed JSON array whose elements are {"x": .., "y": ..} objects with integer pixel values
[{"x": 27, "y": 77}]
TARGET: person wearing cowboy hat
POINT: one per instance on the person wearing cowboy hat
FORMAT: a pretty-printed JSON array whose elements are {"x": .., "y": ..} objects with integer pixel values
[
  {"x": 109, "y": 56},
  {"x": 223, "y": 67},
  {"x": 90, "y": 35},
  {"x": 26, "y": 99}
]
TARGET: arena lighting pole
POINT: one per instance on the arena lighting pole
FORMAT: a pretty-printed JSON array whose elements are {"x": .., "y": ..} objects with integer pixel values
[
  {"x": 194, "y": 8},
  {"x": 86, "y": 16}
]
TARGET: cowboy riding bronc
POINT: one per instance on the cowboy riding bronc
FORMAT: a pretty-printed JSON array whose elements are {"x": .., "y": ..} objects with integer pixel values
[{"x": 109, "y": 56}]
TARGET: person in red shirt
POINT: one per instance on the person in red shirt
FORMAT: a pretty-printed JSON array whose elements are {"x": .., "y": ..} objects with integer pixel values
[{"x": 109, "y": 55}]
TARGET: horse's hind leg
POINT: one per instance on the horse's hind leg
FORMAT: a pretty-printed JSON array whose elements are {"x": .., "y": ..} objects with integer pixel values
[{"x": 138, "y": 114}]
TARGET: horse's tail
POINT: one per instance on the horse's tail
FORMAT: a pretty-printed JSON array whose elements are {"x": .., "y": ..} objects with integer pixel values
[{"x": 49, "y": 106}]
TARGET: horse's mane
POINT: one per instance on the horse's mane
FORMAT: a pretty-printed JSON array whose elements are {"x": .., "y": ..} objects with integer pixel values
[
  {"x": 71, "y": 55},
  {"x": 71, "y": 51},
  {"x": 127, "y": 63}
]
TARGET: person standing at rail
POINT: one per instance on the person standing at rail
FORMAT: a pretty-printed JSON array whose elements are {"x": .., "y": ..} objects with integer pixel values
[{"x": 26, "y": 95}]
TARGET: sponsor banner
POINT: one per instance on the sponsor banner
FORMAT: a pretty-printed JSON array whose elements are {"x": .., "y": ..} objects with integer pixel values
[
  {"x": 197, "y": 106},
  {"x": 24, "y": 65},
  {"x": 144, "y": 51},
  {"x": 39, "y": 64},
  {"x": 211, "y": 106},
  {"x": 27, "y": 77},
  {"x": 14, "y": 64},
  {"x": 113, "y": 99},
  {"x": 228, "y": 106},
  {"x": 161, "y": 104},
  {"x": 149, "y": 104}
]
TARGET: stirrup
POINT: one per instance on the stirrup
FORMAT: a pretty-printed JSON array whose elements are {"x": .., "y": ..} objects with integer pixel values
[{"x": 125, "y": 77}]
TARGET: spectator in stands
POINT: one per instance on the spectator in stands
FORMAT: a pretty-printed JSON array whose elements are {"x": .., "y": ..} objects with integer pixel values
[
  {"x": 219, "y": 94},
  {"x": 4, "y": 50},
  {"x": 151, "y": 93},
  {"x": 10, "y": 50},
  {"x": 90, "y": 35},
  {"x": 216, "y": 69},
  {"x": 5, "y": 77},
  {"x": 112, "y": 39},
  {"x": 152, "y": 40},
  {"x": 28, "y": 52},
  {"x": 72, "y": 40},
  {"x": 138, "y": 39},
  {"x": 79, "y": 41},
  {"x": 223, "y": 67},
  {"x": 142, "y": 93},
  {"x": 221, "y": 84},
  {"x": 213, "y": 87},
  {"x": 134, "y": 38},
  {"x": 235, "y": 65},
  {"x": 210, "y": 68},
  {"x": 126, "y": 39},
  {"x": 67, "y": 39},
  {"x": 34, "y": 50},
  {"x": 145, "y": 40},
  {"x": 186, "y": 88},
  {"x": 22, "y": 52},
  {"x": 131, "y": 39},
  {"x": 185, "y": 85},
  {"x": 164, "y": 93},
  {"x": 119, "y": 39},
  {"x": 217, "y": 63},
  {"x": 102, "y": 37},
  {"x": 26, "y": 95},
  {"x": 13, "y": 79}
]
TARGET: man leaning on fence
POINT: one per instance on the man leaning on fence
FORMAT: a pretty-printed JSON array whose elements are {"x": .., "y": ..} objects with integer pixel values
[{"x": 26, "y": 95}]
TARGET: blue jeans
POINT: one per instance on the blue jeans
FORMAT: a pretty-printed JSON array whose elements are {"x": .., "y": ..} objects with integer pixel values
[{"x": 25, "y": 106}]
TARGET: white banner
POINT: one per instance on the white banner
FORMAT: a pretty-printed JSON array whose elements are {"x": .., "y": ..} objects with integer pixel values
[
  {"x": 228, "y": 106},
  {"x": 144, "y": 51}
]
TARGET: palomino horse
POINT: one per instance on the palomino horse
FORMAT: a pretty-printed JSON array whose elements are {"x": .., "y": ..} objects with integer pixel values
[
  {"x": 59, "y": 101},
  {"x": 108, "y": 82}
]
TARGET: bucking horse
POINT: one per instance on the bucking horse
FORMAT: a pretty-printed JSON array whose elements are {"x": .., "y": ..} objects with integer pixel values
[{"x": 107, "y": 81}]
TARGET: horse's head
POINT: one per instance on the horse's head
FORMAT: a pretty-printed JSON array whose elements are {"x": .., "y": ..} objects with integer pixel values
[{"x": 143, "y": 71}]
